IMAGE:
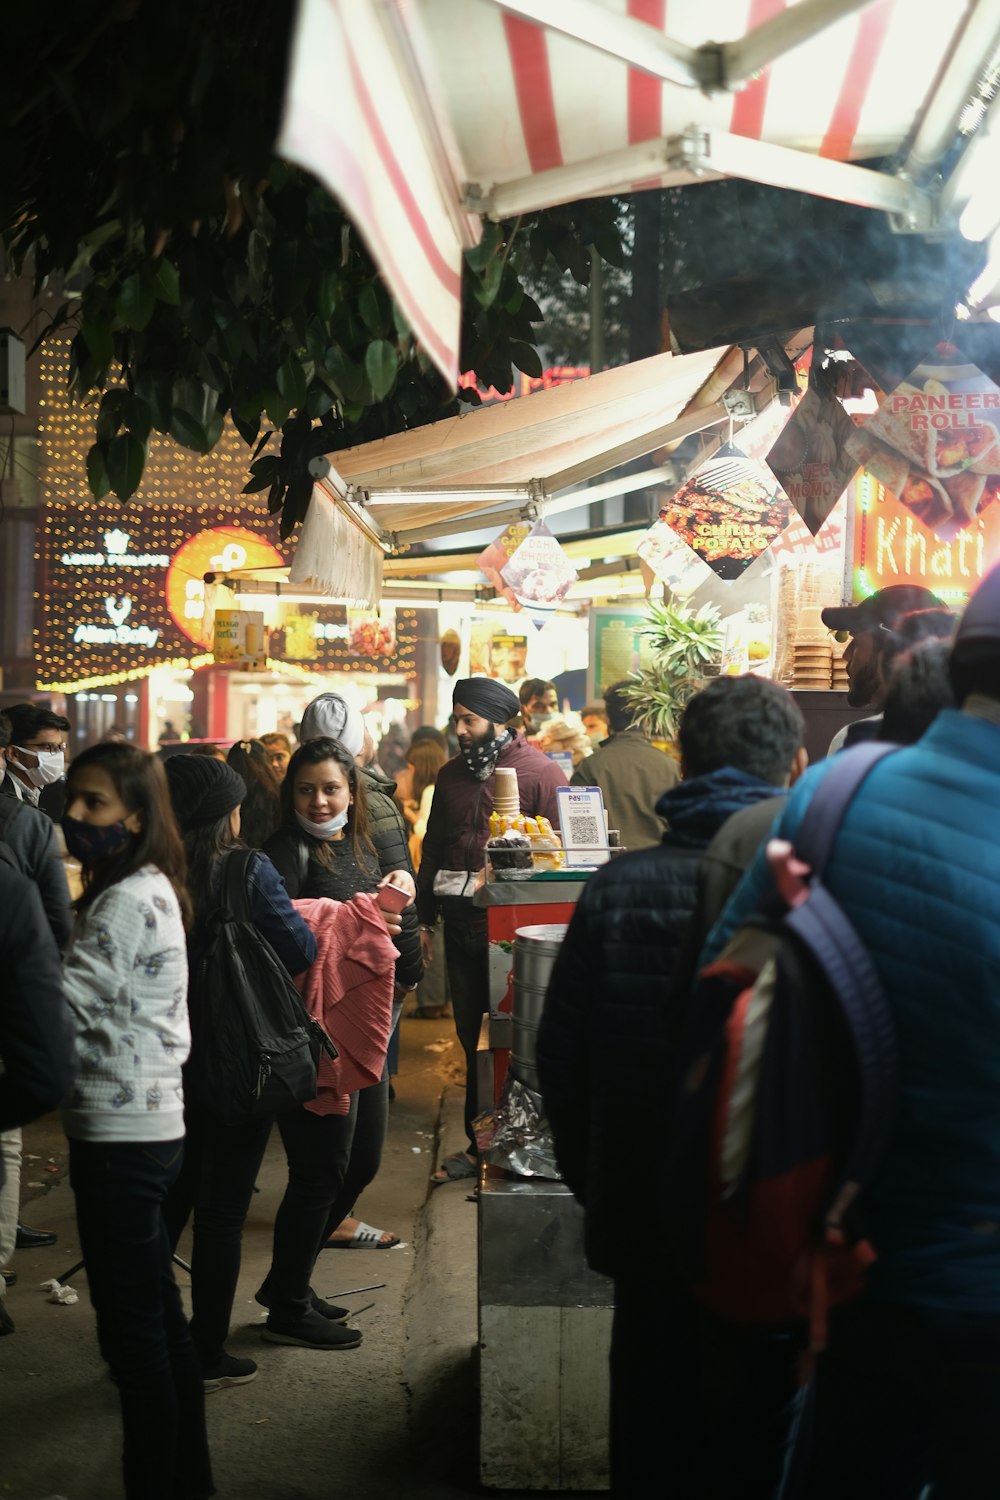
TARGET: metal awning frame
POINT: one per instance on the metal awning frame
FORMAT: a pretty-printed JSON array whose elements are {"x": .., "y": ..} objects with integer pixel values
[{"x": 914, "y": 196}]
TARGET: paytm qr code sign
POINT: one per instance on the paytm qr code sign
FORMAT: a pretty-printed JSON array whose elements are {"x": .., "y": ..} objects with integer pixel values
[{"x": 583, "y": 825}]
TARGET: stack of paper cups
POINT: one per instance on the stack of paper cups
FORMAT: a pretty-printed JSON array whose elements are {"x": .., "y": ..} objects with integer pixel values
[{"x": 506, "y": 800}]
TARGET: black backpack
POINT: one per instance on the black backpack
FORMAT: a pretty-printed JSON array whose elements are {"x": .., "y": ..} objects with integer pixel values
[{"x": 255, "y": 1047}]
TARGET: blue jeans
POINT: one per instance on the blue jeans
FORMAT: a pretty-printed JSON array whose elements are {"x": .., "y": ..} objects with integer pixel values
[
  {"x": 120, "y": 1187},
  {"x": 901, "y": 1399}
]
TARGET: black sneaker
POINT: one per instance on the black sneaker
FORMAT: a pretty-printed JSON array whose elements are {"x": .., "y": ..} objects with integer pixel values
[
  {"x": 328, "y": 1310},
  {"x": 6, "y": 1321},
  {"x": 229, "y": 1371},
  {"x": 312, "y": 1331}
]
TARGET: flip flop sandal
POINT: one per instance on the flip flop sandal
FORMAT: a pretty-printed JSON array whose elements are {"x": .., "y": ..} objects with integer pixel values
[
  {"x": 365, "y": 1238},
  {"x": 456, "y": 1168}
]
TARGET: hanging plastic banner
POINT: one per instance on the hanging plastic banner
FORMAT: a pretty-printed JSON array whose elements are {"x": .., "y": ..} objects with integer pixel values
[
  {"x": 935, "y": 442},
  {"x": 728, "y": 511},
  {"x": 300, "y": 637},
  {"x": 240, "y": 637},
  {"x": 811, "y": 460},
  {"x": 498, "y": 554},
  {"x": 671, "y": 559},
  {"x": 539, "y": 572},
  {"x": 371, "y": 633}
]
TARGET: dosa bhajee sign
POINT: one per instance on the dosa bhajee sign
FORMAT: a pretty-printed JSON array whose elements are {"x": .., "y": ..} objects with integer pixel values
[{"x": 935, "y": 442}]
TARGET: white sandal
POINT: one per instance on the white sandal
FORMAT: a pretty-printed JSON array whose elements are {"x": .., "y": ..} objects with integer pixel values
[{"x": 365, "y": 1237}]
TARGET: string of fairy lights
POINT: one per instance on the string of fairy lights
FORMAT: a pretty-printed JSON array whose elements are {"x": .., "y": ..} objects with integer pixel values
[{"x": 94, "y": 621}]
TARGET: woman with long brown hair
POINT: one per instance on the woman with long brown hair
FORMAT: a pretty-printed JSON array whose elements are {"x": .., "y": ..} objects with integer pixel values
[
  {"x": 125, "y": 977},
  {"x": 324, "y": 848}
]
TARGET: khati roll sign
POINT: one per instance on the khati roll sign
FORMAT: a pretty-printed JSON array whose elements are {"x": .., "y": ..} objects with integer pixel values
[{"x": 935, "y": 442}]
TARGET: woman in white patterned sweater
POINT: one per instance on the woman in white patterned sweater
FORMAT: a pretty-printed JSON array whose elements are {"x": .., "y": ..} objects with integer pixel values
[{"x": 126, "y": 981}]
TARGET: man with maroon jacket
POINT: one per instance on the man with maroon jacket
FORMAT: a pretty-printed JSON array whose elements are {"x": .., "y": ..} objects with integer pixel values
[{"x": 452, "y": 858}]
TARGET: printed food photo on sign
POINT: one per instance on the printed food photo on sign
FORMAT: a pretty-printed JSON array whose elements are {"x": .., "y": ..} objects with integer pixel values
[
  {"x": 729, "y": 511},
  {"x": 671, "y": 559},
  {"x": 539, "y": 572},
  {"x": 498, "y": 554},
  {"x": 370, "y": 634},
  {"x": 810, "y": 460},
  {"x": 935, "y": 442}
]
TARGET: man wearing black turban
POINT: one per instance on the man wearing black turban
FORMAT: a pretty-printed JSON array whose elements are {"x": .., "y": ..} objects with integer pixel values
[{"x": 452, "y": 857}]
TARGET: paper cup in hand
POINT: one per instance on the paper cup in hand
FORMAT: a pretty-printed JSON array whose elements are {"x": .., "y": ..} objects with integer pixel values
[{"x": 391, "y": 898}]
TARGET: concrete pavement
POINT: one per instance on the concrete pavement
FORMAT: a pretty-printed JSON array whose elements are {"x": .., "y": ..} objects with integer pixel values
[{"x": 395, "y": 1417}]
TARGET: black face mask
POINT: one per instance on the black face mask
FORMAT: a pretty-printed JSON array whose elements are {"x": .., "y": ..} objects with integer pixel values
[{"x": 481, "y": 755}]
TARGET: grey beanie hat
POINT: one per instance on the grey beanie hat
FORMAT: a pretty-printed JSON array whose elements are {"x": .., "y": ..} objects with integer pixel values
[{"x": 331, "y": 717}]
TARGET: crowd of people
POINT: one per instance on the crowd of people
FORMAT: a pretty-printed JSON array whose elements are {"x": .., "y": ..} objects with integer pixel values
[
  {"x": 361, "y": 883},
  {"x": 105, "y": 1020}
]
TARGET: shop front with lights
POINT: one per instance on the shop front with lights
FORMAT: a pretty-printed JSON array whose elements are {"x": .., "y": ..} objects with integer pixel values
[{"x": 124, "y": 631}]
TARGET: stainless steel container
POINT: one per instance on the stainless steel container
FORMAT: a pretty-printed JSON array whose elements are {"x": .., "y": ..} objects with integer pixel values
[{"x": 535, "y": 950}]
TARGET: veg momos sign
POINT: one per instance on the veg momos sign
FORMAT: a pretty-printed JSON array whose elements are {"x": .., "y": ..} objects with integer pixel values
[{"x": 935, "y": 442}]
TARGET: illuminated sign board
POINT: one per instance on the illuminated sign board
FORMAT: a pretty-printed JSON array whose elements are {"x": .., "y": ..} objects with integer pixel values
[
  {"x": 121, "y": 591},
  {"x": 891, "y": 545}
]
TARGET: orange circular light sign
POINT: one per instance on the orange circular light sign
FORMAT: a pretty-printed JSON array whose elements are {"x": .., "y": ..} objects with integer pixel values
[{"x": 224, "y": 549}]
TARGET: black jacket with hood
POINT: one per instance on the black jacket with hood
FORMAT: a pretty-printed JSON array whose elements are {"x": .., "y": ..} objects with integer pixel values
[{"x": 603, "y": 1041}]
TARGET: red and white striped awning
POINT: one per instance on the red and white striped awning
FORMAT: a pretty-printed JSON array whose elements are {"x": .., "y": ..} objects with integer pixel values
[{"x": 424, "y": 116}]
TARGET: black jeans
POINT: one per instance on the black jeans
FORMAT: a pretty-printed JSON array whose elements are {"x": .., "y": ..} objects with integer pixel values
[
  {"x": 466, "y": 954},
  {"x": 331, "y": 1159},
  {"x": 698, "y": 1406},
  {"x": 901, "y": 1400},
  {"x": 221, "y": 1163},
  {"x": 120, "y": 1188}
]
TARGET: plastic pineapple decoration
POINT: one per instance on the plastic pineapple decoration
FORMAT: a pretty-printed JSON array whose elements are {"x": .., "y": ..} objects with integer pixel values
[{"x": 686, "y": 647}]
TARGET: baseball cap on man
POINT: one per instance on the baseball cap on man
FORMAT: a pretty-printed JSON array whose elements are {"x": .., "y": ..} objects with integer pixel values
[{"x": 885, "y": 607}]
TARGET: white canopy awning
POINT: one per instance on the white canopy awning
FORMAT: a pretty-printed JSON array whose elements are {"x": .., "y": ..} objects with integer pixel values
[
  {"x": 423, "y": 115},
  {"x": 467, "y": 469}
]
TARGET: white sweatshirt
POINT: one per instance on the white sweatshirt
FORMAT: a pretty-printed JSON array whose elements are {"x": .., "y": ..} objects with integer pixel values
[{"x": 125, "y": 975}]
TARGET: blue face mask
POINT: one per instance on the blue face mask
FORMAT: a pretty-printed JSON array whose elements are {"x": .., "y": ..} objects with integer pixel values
[
  {"x": 323, "y": 830},
  {"x": 89, "y": 843}
]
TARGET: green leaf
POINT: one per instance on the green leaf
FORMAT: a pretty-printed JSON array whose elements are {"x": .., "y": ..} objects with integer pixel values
[
  {"x": 247, "y": 430},
  {"x": 139, "y": 417},
  {"x": 527, "y": 359},
  {"x": 486, "y": 288},
  {"x": 319, "y": 401},
  {"x": 97, "y": 337},
  {"x": 126, "y": 460},
  {"x": 257, "y": 260},
  {"x": 381, "y": 364},
  {"x": 480, "y": 255},
  {"x": 292, "y": 384},
  {"x": 166, "y": 283},
  {"x": 97, "y": 473},
  {"x": 344, "y": 375},
  {"x": 136, "y": 301},
  {"x": 263, "y": 474},
  {"x": 370, "y": 311},
  {"x": 326, "y": 294},
  {"x": 188, "y": 431},
  {"x": 111, "y": 414}
]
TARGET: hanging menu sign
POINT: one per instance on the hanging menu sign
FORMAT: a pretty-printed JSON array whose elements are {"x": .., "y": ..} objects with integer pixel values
[
  {"x": 728, "y": 511},
  {"x": 810, "y": 458},
  {"x": 935, "y": 442}
]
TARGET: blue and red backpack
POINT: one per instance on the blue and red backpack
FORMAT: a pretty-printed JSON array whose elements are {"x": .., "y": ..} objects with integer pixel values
[{"x": 787, "y": 1093}]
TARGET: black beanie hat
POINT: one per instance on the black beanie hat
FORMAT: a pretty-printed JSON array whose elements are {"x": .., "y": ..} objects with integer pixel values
[
  {"x": 977, "y": 639},
  {"x": 202, "y": 789}
]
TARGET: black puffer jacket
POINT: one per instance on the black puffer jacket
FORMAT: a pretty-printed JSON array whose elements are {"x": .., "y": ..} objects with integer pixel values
[
  {"x": 385, "y": 824},
  {"x": 603, "y": 1038}
]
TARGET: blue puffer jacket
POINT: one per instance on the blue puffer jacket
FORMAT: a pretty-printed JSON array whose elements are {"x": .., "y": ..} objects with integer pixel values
[
  {"x": 916, "y": 867},
  {"x": 602, "y": 1039}
]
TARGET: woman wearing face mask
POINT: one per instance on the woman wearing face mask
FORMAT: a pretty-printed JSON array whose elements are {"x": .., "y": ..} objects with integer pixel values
[
  {"x": 221, "y": 1162},
  {"x": 125, "y": 977},
  {"x": 323, "y": 849}
]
